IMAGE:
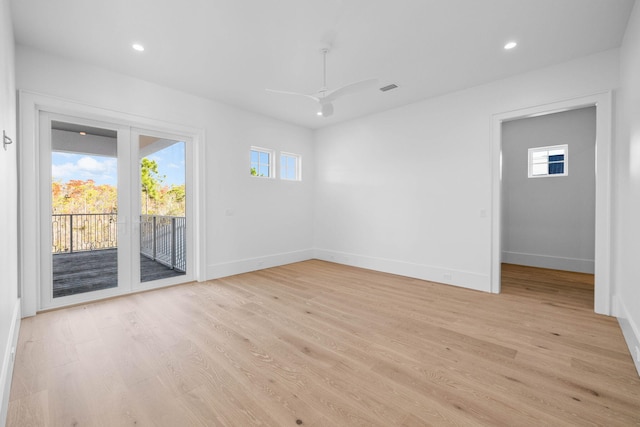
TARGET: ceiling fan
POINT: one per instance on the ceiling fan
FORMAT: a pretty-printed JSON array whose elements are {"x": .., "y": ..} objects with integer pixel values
[{"x": 325, "y": 97}]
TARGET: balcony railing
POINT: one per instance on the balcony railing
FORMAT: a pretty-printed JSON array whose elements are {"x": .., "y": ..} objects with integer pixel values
[
  {"x": 162, "y": 238},
  {"x": 83, "y": 232}
]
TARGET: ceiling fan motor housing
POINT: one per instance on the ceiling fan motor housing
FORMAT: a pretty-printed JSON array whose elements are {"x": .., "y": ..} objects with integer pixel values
[{"x": 326, "y": 109}]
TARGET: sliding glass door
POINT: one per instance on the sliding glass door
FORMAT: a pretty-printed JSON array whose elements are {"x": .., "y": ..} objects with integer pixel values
[{"x": 114, "y": 210}]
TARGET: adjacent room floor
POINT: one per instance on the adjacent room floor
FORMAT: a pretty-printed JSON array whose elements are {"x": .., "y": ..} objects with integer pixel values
[{"x": 321, "y": 344}]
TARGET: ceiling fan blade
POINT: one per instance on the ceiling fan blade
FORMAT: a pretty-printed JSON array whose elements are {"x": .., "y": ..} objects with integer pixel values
[
  {"x": 284, "y": 92},
  {"x": 350, "y": 89}
]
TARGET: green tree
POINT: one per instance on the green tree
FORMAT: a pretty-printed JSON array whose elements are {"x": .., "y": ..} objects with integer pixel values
[
  {"x": 254, "y": 172},
  {"x": 151, "y": 180},
  {"x": 174, "y": 200}
]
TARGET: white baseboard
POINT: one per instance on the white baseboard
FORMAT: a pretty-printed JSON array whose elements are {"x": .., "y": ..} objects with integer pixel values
[
  {"x": 630, "y": 331},
  {"x": 546, "y": 261},
  {"x": 464, "y": 279},
  {"x": 6, "y": 372},
  {"x": 215, "y": 271}
]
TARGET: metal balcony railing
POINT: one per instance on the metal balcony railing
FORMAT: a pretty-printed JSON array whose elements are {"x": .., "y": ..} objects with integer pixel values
[
  {"x": 162, "y": 238},
  {"x": 83, "y": 232}
]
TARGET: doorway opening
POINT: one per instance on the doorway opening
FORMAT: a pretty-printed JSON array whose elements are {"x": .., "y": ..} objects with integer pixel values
[
  {"x": 548, "y": 198},
  {"x": 602, "y": 257},
  {"x": 114, "y": 160},
  {"x": 120, "y": 209},
  {"x": 84, "y": 208}
]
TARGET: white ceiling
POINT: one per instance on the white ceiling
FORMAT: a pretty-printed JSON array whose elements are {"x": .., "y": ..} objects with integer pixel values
[{"x": 231, "y": 50}]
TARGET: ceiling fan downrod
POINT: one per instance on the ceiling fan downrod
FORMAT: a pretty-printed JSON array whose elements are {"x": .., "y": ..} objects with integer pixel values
[{"x": 324, "y": 51}]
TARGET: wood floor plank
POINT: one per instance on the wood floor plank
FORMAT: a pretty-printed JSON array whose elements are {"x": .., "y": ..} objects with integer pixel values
[
  {"x": 320, "y": 344},
  {"x": 108, "y": 394},
  {"x": 31, "y": 410},
  {"x": 249, "y": 366}
]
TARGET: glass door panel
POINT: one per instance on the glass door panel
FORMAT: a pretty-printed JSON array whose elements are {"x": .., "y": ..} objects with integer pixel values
[
  {"x": 84, "y": 208},
  {"x": 163, "y": 212}
]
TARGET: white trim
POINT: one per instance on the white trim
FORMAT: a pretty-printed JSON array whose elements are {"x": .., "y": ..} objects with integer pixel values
[
  {"x": 30, "y": 105},
  {"x": 247, "y": 265},
  {"x": 631, "y": 332},
  {"x": 461, "y": 278},
  {"x": 546, "y": 261},
  {"x": 603, "y": 104},
  {"x": 8, "y": 360}
]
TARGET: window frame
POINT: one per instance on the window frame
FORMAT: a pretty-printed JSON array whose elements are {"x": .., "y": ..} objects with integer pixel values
[
  {"x": 565, "y": 161},
  {"x": 297, "y": 167},
  {"x": 271, "y": 165}
]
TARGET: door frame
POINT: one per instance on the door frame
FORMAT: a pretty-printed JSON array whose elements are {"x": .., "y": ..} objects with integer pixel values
[
  {"x": 30, "y": 228},
  {"x": 603, "y": 103}
]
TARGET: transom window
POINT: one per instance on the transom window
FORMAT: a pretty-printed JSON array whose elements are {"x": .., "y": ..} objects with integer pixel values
[
  {"x": 261, "y": 162},
  {"x": 548, "y": 161},
  {"x": 290, "y": 167}
]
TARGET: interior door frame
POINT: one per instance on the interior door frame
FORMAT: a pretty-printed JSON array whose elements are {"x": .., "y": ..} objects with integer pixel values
[
  {"x": 30, "y": 228},
  {"x": 603, "y": 102}
]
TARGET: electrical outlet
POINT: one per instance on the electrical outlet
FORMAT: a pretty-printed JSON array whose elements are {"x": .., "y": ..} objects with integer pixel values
[
  {"x": 637, "y": 354},
  {"x": 446, "y": 276},
  {"x": 13, "y": 354}
]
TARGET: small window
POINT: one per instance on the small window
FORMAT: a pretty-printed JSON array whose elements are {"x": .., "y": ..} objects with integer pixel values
[
  {"x": 548, "y": 161},
  {"x": 290, "y": 167},
  {"x": 261, "y": 162}
]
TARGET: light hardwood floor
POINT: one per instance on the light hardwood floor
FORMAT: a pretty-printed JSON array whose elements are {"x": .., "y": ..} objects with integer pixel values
[{"x": 319, "y": 344}]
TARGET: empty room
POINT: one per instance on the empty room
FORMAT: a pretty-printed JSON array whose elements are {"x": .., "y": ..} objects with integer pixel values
[{"x": 320, "y": 213}]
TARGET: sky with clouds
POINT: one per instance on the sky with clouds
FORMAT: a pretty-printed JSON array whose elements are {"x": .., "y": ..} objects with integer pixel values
[{"x": 104, "y": 170}]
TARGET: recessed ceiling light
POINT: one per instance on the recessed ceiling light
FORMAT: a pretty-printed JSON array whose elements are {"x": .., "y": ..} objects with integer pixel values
[
  {"x": 510, "y": 45},
  {"x": 138, "y": 47},
  {"x": 83, "y": 133},
  {"x": 319, "y": 113}
]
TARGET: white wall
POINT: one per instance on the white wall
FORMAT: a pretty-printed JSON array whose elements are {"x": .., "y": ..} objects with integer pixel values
[
  {"x": 550, "y": 222},
  {"x": 9, "y": 303},
  {"x": 627, "y": 197},
  {"x": 250, "y": 223},
  {"x": 408, "y": 191}
]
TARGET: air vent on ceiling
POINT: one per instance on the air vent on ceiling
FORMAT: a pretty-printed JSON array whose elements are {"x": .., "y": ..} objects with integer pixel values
[{"x": 388, "y": 87}]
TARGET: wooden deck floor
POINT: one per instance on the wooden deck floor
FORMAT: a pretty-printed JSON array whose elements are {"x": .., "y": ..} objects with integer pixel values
[
  {"x": 319, "y": 344},
  {"x": 94, "y": 270}
]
